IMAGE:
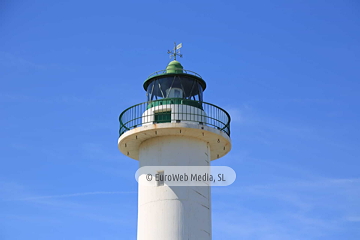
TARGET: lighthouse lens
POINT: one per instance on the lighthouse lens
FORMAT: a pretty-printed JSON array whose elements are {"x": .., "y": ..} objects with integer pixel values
[{"x": 174, "y": 93}]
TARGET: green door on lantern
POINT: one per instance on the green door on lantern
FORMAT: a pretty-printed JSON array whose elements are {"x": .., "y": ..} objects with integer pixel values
[{"x": 162, "y": 117}]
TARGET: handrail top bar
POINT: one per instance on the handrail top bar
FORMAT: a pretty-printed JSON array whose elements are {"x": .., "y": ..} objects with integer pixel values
[
  {"x": 174, "y": 72},
  {"x": 184, "y": 71}
]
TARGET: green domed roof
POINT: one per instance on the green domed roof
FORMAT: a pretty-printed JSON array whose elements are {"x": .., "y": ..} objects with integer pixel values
[{"x": 174, "y": 67}]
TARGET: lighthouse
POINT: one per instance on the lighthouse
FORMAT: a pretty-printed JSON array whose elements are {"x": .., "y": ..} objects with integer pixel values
[{"x": 174, "y": 127}]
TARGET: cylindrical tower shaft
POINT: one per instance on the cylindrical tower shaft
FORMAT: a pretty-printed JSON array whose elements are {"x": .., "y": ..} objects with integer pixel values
[{"x": 174, "y": 212}]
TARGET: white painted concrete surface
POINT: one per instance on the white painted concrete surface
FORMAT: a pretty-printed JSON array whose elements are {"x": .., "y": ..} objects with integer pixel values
[
  {"x": 182, "y": 112},
  {"x": 219, "y": 142},
  {"x": 174, "y": 213}
]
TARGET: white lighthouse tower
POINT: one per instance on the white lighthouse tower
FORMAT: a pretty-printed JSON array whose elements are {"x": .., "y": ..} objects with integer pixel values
[{"x": 174, "y": 127}]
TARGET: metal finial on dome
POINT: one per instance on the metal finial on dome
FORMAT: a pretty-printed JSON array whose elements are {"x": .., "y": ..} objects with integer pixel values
[{"x": 176, "y": 51}]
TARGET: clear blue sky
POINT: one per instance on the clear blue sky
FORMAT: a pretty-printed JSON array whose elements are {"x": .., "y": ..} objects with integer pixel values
[{"x": 287, "y": 72}]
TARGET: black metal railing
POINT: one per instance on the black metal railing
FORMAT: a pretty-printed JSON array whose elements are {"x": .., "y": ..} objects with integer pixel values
[{"x": 174, "y": 110}]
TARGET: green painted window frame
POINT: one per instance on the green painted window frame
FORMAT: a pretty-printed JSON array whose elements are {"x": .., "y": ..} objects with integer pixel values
[{"x": 162, "y": 117}]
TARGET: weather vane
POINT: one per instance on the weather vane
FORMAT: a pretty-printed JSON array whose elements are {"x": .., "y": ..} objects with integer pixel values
[{"x": 176, "y": 51}]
